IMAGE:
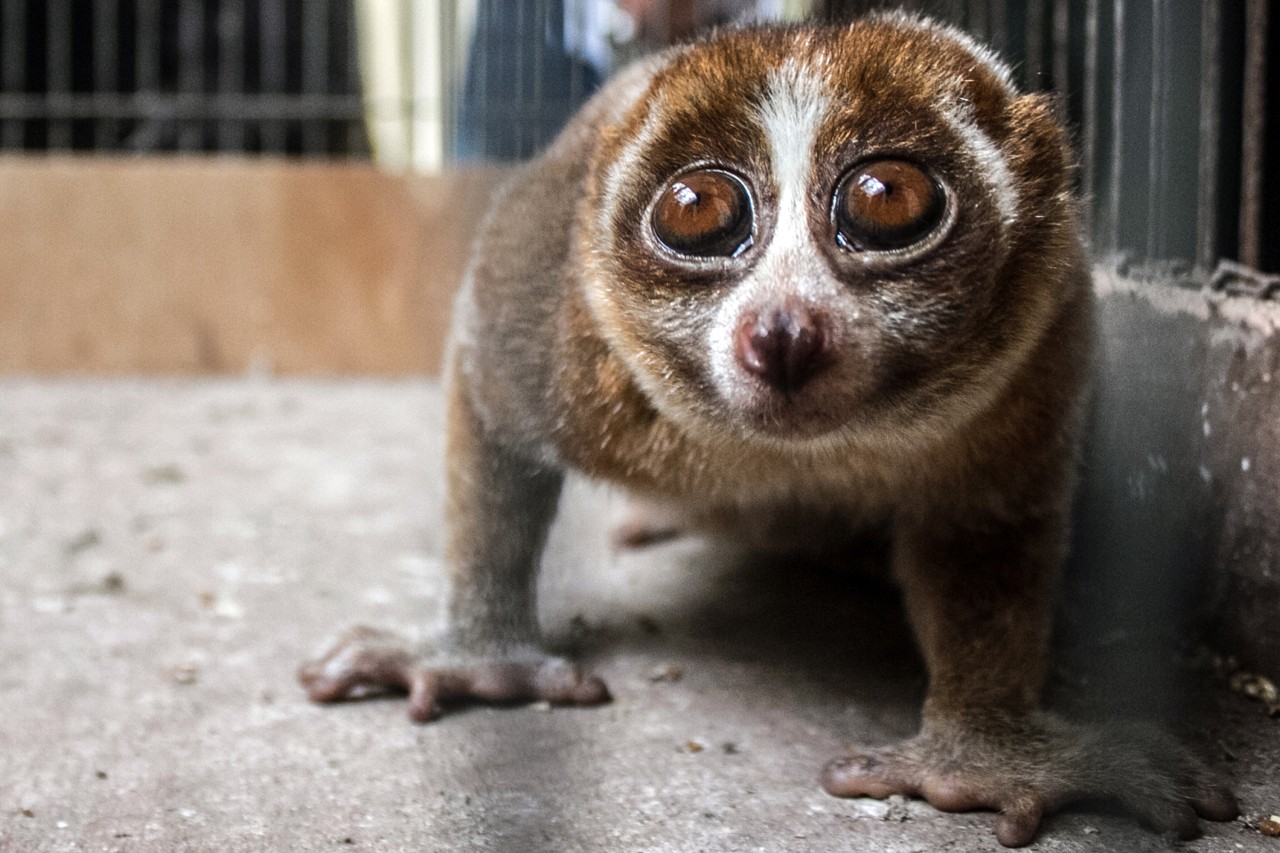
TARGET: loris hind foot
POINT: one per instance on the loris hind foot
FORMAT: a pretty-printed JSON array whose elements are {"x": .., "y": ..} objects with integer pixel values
[
  {"x": 1026, "y": 768},
  {"x": 364, "y": 660}
]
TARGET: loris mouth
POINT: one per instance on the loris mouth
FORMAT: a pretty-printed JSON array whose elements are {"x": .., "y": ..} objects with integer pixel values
[{"x": 796, "y": 416}]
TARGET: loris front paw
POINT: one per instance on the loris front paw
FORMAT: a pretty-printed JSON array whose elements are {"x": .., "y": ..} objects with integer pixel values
[
  {"x": 364, "y": 661},
  {"x": 1026, "y": 767}
]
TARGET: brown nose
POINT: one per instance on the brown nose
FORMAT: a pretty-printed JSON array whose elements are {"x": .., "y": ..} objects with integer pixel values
[{"x": 786, "y": 348}]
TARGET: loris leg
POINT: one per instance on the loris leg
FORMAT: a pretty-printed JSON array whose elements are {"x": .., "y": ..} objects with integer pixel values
[
  {"x": 978, "y": 597},
  {"x": 500, "y": 505}
]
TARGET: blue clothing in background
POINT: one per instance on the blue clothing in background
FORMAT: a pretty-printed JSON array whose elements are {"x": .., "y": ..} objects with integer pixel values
[{"x": 523, "y": 81}]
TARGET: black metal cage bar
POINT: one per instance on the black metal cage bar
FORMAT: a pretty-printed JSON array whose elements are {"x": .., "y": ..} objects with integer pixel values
[
  {"x": 240, "y": 76},
  {"x": 1254, "y": 131}
]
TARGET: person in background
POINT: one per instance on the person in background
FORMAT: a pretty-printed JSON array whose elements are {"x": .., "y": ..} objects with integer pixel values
[{"x": 531, "y": 65}]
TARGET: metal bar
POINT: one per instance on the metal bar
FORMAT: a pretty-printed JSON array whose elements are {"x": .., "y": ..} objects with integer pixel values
[
  {"x": 577, "y": 80},
  {"x": 1157, "y": 209},
  {"x": 999, "y": 38},
  {"x": 188, "y": 106},
  {"x": 1062, "y": 53},
  {"x": 190, "y": 65},
  {"x": 517, "y": 130},
  {"x": 58, "y": 64},
  {"x": 979, "y": 22},
  {"x": 1252, "y": 154},
  {"x": 231, "y": 37},
  {"x": 146, "y": 135},
  {"x": 1210, "y": 135},
  {"x": 1090, "y": 155},
  {"x": 427, "y": 122},
  {"x": 356, "y": 131},
  {"x": 13, "y": 65},
  {"x": 13, "y": 15},
  {"x": 1117, "y": 127},
  {"x": 272, "y": 38},
  {"x": 539, "y": 57},
  {"x": 148, "y": 45},
  {"x": 1034, "y": 55},
  {"x": 106, "y": 64},
  {"x": 454, "y": 75},
  {"x": 315, "y": 68},
  {"x": 476, "y": 60}
]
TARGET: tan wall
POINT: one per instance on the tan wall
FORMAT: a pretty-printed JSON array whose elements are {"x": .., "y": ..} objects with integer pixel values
[{"x": 219, "y": 265}]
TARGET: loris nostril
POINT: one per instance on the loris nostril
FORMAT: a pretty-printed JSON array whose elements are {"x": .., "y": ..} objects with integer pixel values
[{"x": 786, "y": 350}]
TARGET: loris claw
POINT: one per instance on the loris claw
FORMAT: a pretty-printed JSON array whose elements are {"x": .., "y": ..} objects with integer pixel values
[{"x": 830, "y": 274}]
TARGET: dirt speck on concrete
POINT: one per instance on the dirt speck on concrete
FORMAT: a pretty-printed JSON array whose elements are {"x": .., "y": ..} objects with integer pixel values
[
  {"x": 83, "y": 541},
  {"x": 164, "y": 474},
  {"x": 185, "y": 674},
  {"x": 668, "y": 672}
]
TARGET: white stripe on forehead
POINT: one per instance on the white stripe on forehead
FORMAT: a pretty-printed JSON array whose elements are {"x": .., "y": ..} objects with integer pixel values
[{"x": 795, "y": 103}]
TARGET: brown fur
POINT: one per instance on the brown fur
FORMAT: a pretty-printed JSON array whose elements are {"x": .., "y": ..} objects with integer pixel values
[{"x": 949, "y": 413}]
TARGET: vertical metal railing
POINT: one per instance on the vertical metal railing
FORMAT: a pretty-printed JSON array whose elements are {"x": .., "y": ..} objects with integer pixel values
[
  {"x": 1206, "y": 254},
  {"x": 1157, "y": 243},
  {"x": 230, "y": 135},
  {"x": 13, "y": 70},
  {"x": 106, "y": 65},
  {"x": 1169, "y": 99},
  {"x": 147, "y": 131},
  {"x": 58, "y": 65},
  {"x": 1089, "y": 137},
  {"x": 1110, "y": 239},
  {"x": 315, "y": 67},
  {"x": 271, "y": 67},
  {"x": 190, "y": 58},
  {"x": 1034, "y": 60},
  {"x": 258, "y": 76},
  {"x": 1253, "y": 142},
  {"x": 1060, "y": 22}
]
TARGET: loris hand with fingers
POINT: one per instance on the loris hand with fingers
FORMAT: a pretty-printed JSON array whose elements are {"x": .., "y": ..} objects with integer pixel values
[{"x": 791, "y": 271}]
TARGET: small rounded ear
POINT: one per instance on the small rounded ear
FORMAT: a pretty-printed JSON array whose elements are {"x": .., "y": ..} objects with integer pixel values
[
  {"x": 1039, "y": 153},
  {"x": 608, "y": 144}
]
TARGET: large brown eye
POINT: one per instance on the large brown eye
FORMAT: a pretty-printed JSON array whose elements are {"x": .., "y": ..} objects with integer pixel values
[
  {"x": 704, "y": 214},
  {"x": 886, "y": 204}
]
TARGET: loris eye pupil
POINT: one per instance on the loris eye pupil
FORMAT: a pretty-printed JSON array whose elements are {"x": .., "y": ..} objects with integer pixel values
[
  {"x": 886, "y": 204},
  {"x": 704, "y": 214}
]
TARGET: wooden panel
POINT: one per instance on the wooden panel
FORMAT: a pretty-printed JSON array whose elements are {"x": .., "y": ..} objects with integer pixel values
[{"x": 212, "y": 265}]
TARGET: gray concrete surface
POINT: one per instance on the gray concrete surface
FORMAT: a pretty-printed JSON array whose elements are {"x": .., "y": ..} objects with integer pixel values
[{"x": 170, "y": 550}]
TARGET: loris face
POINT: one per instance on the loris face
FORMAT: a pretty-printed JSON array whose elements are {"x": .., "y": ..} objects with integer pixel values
[{"x": 799, "y": 235}]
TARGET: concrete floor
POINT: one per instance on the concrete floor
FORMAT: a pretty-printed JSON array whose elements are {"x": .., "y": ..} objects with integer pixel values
[{"x": 170, "y": 550}]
